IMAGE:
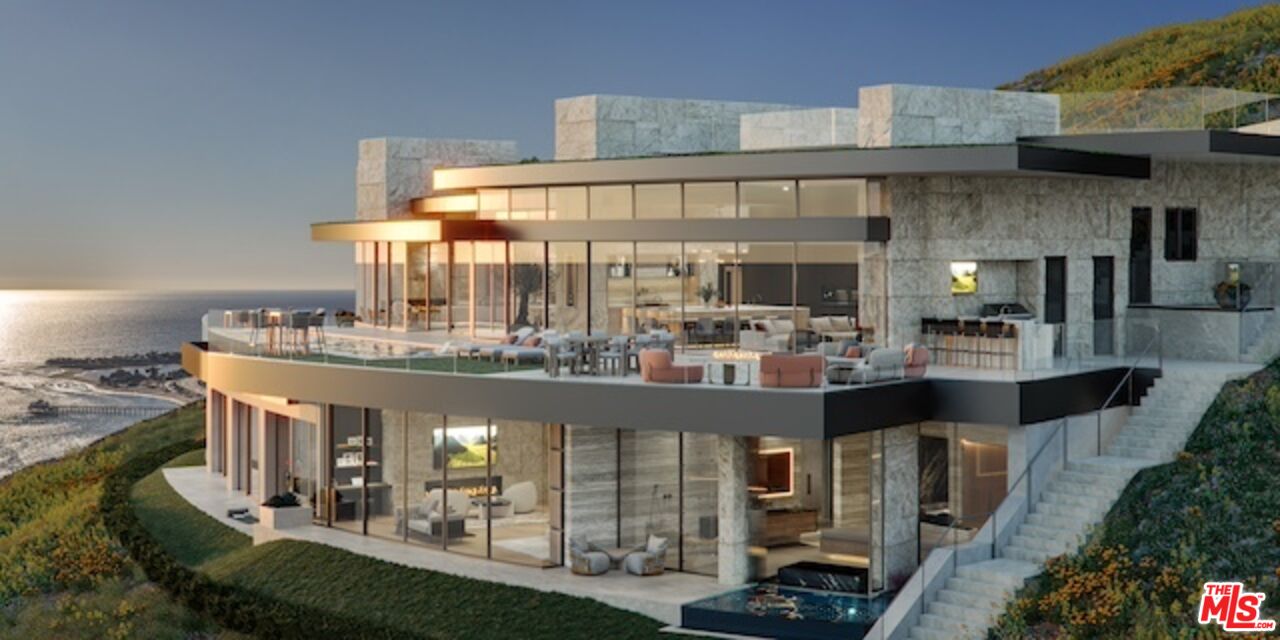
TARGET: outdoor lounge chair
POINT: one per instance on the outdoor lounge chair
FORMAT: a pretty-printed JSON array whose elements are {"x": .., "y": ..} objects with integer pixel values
[
  {"x": 656, "y": 366},
  {"x": 586, "y": 559},
  {"x": 787, "y": 370},
  {"x": 651, "y": 560}
]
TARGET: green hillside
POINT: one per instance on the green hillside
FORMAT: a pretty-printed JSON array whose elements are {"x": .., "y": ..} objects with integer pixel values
[{"x": 1237, "y": 51}]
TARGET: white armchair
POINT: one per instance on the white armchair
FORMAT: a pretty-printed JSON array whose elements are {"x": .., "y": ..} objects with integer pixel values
[
  {"x": 523, "y": 496},
  {"x": 768, "y": 335}
]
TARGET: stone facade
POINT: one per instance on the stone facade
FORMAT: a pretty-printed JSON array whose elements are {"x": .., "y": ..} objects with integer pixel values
[
  {"x": 901, "y": 115},
  {"x": 1011, "y": 224},
  {"x": 603, "y": 126},
  {"x": 391, "y": 172},
  {"x": 734, "y": 526},
  {"x": 895, "y": 501},
  {"x": 798, "y": 129}
]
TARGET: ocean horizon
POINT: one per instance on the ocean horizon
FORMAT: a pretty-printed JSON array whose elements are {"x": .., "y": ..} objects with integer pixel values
[{"x": 36, "y": 325}]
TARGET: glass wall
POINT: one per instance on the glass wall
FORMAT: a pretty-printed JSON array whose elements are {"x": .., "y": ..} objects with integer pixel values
[
  {"x": 610, "y": 202},
  {"x": 422, "y": 520},
  {"x": 699, "y": 540},
  {"x": 567, "y": 286},
  {"x": 493, "y": 204},
  {"x": 764, "y": 291},
  {"x": 349, "y": 469},
  {"x": 833, "y": 198},
  {"x": 528, "y": 281},
  {"x": 567, "y": 203},
  {"x": 465, "y": 484},
  {"x": 827, "y": 279},
  {"x": 710, "y": 318},
  {"x": 649, "y": 487},
  {"x": 304, "y": 480},
  {"x": 767, "y": 199},
  {"x": 416, "y": 284},
  {"x": 660, "y": 284},
  {"x": 710, "y": 200},
  {"x": 524, "y": 468},
  {"x": 397, "y": 308},
  {"x": 658, "y": 201},
  {"x": 529, "y": 204},
  {"x": 612, "y": 286},
  {"x": 460, "y": 291},
  {"x": 438, "y": 282},
  {"x": 490, "y": 288}
]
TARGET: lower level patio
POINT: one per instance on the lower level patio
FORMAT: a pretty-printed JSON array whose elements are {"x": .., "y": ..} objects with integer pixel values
[{"x": 659, "y": 597}]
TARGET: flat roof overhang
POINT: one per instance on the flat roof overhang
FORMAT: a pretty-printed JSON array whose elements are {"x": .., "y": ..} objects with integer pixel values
[
  {"x": 704, "y": 408},
  {"x": 853, "y": 229},
  {"x": 997, "y": 160},
  {"x": 1201, "y": 144}
]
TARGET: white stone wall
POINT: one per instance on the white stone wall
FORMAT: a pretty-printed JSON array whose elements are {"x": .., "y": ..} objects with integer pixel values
[
  {"x": 604, "y": 126},
  {"x": 940, "y": 219},
  {"x": 391, "y": 172},
  {"x": 900, "y": 115},
  {"x": 798, "y": 129}
]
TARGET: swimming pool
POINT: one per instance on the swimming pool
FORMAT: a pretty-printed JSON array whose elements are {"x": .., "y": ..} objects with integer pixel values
[{"x": 785, "y": 612}]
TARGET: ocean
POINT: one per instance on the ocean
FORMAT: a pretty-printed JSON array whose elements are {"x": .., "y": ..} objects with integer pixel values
[{"x": 38, "y": 325}]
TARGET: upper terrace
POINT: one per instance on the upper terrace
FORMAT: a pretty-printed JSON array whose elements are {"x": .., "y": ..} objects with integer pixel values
[{"x": 435, "y": 372}]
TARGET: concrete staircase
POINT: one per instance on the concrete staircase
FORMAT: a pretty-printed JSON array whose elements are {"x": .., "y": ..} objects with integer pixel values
[
  {"x": 1075, "y": 500},
  {"x": 1267, "y": 343}
]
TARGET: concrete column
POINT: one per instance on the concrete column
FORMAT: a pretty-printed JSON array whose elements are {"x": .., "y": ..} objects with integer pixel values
[
  {"x": 895, "y": 504},
  {"x": 235, "y": 452},
  {"x": 211, "y": 444},
  {"x": 734, "y": 531},
  {"x": 263, "y": 449}
]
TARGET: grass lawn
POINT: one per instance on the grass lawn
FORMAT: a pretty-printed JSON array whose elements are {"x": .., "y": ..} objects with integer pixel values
[
  {"x": 1213, "y": 514},
  {"x": 416, "y": 602}
]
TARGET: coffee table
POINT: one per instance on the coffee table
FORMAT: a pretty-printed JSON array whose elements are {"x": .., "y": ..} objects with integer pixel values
[
  {"x": 494, "y": 509},
  {"x": 618, "y": 554}
]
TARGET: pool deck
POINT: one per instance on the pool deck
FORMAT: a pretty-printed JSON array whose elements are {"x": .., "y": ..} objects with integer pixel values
[{"x": 658, "y": 597}]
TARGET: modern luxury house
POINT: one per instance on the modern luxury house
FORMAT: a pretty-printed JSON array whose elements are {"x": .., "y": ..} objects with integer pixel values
[{"x": 898, "y": 355}]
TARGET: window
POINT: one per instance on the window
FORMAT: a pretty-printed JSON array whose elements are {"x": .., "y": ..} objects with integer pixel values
[
  {"x": 964, "y": 278},
  {"x": 1180, "y": 234},
  {"x": 610, "y": 202},
  {"x": 833, "y": 198}
]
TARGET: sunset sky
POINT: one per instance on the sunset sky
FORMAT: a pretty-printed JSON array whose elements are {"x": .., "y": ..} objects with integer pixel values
[{"x": 186, "y": 145}]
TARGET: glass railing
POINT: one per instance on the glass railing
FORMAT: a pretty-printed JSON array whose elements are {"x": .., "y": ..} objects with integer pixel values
[{"x": 1177, "y": 108}]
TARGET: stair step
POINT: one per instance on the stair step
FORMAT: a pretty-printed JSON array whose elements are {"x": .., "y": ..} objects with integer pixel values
[
  {"x": 925, "y": 631},
  {"x": 1103, "y": 491},
  {"x": 1166, "y": 444},
  {"x": 1069, "y": 537},
  {"x": 1049, "y": 520},
  {"x": 1048, "y": 545},
  {"x": 1034, "y": 556},
  {"x": 1006, "y": 573},
  {"x": 979, "y": 599},
  {"x": 958, "y": 627},
  {"x": 1140, "y": 453},
  {"x": 1171, "y": 432},
  {"x": 1122, "y": 468},
  {"x": 1090, "y": 478},
  {"x": 1073, "y": 499},
  {"x": 978, "y": 617},
  {"x": 1079, "y": 513}
]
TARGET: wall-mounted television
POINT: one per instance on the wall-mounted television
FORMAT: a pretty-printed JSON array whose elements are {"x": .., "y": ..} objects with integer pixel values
[{"x": 467, "y": 447}]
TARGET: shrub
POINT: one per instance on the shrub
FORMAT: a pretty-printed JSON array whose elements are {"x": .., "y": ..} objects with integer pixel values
[{"x": 285, "y": 499}]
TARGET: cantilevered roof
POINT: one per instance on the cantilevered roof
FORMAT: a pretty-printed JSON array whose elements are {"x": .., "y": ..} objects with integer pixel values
[
  {"x": 1202, "y": 144},
  {"x": 1000, "y": 160}
]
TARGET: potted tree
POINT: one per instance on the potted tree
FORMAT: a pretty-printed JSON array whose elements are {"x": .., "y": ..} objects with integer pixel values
[
  {"x": 1232, "y": 294},
  {"x": 283, "y": 512}
]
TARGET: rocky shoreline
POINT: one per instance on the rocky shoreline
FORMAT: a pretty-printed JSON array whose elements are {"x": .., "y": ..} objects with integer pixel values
[{"x": 149, "y": 359}]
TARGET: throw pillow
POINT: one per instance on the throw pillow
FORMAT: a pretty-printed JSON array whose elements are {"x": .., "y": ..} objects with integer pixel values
[
  {"x": 533, "y": 341},
  {"x": 853, "y": 352},
  {"x": 656, "y": 544}
]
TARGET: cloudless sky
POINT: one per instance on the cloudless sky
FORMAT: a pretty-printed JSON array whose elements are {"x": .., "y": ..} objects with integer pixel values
[{"x": 175, "y": 144}]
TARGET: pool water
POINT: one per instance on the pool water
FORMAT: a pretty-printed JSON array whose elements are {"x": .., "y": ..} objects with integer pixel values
[{"x": 785, "y": 612}]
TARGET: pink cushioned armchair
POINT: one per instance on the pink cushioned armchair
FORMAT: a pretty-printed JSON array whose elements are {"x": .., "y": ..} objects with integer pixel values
[
  {"x": 786, "y": 370},
  {"x": 656, "y": 366},
  {"x": 917, "y": 361}
]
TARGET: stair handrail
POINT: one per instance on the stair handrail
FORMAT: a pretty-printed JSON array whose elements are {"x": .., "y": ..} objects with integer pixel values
[{"x": 1155, "y": 340}]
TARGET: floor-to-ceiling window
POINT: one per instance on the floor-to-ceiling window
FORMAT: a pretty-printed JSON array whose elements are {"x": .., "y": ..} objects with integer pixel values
[
  {"x": 417, "y": 266},
  {"x": 765, "y": 294},
  {"x": 710, "y": 317},
  {"x": 303, "y": 469},
  {"x": 438, "y": 286},
  {"x": 826, "y": 284},
  {"x": 460, "y": 287},
  {"x": 528, "y": 284},
  {"x": 660, "y": 282},
  {"x": 699, "y": 481},
  {"x": 612, "y": 286},
  {"x": 649, "y": 488},
  {"x": 567, "y": 286},
  {"x": 348, "y": 468},
  {"x": 490, "y": 310}
]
